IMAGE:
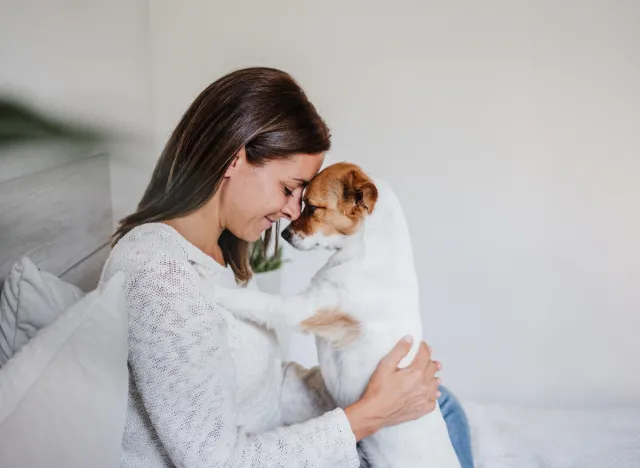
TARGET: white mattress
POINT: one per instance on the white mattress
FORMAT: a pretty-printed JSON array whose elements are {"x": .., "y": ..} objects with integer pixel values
[{"x": 554, "y": 438}]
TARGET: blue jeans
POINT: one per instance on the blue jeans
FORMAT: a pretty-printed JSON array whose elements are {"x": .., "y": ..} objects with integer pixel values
[{"x": 457, "y": 425}]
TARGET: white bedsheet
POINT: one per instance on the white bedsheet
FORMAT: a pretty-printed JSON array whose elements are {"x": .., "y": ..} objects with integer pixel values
[{"x": 554, "y": 438}]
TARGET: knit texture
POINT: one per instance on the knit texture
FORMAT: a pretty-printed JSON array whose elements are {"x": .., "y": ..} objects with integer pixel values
[{"x": 205, "y": 389}]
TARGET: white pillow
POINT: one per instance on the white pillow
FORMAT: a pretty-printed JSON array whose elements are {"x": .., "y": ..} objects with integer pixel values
[
  {"x": 63, "y": 397},
  {"x": 31, "y": 299}
]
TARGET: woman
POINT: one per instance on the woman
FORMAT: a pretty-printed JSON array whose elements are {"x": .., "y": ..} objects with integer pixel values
[{"x": 207, "y": 390}]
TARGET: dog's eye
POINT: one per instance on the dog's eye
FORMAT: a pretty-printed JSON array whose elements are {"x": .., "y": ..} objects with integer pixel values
[{"x": 311, "y": 209}]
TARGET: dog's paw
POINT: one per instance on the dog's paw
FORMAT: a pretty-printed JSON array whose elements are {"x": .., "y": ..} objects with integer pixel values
[
  {"x": 243, "y": 303},
  {"x": 227, "y": 298}
]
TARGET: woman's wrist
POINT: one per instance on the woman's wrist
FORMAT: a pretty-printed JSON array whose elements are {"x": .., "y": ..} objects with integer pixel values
[{"x": 363, "y": 422}]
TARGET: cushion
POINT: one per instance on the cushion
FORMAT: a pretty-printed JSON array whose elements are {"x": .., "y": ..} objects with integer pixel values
[
  {"x": 63, "y": 396},
  {"x": 31, "y": 299}
]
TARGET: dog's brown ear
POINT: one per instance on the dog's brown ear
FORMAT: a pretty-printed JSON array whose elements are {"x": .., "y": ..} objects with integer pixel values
[{"x": 359, "y": 190}]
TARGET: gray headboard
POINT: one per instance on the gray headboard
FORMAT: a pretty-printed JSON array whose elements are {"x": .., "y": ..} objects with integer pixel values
[{"x": 60, "y": 218}]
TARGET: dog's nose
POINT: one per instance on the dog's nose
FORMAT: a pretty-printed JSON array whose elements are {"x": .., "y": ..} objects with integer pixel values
[{"x": 286, "y": 234}]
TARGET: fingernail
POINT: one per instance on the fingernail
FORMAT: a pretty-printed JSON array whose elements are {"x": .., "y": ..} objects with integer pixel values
[
  {"x": 439, "y": 365},
  {"x": 438, "y": 394},
  {"x": 430, "y": 350},
  {"x": 438, "y": 380},
  {"x": 408, "y": 339}
]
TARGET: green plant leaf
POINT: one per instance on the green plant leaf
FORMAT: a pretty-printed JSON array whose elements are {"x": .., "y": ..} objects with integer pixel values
[{"x": 261, "y": 262}]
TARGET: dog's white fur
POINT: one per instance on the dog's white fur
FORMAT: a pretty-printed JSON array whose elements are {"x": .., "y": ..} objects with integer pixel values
[{"x": 371, "y": 277}]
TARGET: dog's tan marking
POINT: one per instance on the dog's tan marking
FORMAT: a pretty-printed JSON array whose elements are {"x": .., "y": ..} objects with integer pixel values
[{"x": 333, "y": 325}]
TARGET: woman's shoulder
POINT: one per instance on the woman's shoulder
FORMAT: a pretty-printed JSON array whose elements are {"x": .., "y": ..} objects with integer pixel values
[{"x": 148, "y": 246}]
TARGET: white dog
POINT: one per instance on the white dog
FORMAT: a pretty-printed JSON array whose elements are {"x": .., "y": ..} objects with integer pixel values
[{"x": 359, "y": 305}]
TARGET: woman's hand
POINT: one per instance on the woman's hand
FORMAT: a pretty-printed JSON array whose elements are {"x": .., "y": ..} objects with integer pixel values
[{"x": 393, "y": 395}]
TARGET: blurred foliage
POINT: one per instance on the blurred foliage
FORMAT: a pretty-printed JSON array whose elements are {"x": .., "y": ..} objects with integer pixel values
[
  {"x": 21, "y": 124},
  {"x": 261, "y": 262}
]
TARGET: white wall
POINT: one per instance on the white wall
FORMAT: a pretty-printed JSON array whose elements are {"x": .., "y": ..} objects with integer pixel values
[
  {"x": 89, "y": 61},
  {"x": 511, "y": 131}
]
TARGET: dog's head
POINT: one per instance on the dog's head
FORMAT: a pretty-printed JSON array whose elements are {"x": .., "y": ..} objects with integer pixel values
[{"x": 337, "y": 200}]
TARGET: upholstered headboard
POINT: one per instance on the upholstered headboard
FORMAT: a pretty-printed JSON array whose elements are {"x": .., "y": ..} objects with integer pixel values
[{"x": 60, "y": 218}]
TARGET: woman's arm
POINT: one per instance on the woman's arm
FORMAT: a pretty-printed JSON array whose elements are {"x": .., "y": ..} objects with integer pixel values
[
  {"x": 181, "y": 364},
  {"x": 393, "y": 395}
]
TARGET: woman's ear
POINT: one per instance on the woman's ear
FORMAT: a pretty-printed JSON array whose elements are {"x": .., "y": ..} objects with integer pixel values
[{"x": 238, "y": 159}]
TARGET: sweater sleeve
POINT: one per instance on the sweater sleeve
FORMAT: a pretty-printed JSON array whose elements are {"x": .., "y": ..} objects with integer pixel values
[{"x": 181, "y": 364}]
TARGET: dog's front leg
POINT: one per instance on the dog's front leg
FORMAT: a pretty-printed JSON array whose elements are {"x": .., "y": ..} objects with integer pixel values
[
  {"x": 264, "y": 309},
  {"x": 316, "y": 311}
]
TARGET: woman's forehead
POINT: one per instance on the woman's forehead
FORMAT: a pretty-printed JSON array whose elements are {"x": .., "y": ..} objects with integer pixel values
[{"x": 300, "y": 168}]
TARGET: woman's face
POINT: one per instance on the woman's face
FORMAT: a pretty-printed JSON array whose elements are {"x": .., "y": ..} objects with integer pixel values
[{"x": 253, "y": 198}]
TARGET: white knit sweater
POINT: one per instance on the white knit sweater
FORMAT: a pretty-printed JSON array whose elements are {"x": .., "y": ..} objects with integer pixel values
[{"x": 205, "y": 389}]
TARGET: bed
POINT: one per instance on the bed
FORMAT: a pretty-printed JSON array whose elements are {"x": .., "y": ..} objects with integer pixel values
[
  {"x": 538, "y": 437},
  {"x": 61, "y": 218}
]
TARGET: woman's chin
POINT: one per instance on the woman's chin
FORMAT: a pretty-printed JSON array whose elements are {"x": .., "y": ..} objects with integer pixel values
[
  {"x": 247, "y": 236},
  {"x": 253, "y": 236}
]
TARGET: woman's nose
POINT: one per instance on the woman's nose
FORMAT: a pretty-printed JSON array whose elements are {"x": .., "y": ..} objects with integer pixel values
[{"x": 293, "y": 208}]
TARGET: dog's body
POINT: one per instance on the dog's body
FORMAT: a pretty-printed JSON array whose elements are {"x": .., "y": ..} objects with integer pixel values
[{"x": 359, "y": 305}]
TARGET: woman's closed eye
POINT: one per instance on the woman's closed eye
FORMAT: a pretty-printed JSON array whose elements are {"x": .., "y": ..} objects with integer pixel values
[{"x": 287, "y": 191}]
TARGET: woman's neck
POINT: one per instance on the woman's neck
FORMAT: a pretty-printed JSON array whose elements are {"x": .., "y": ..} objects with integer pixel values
[{"x": 203, "y": 229}]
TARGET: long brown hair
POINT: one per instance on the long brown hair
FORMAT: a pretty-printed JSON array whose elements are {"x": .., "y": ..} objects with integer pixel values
[{"x": 262, "y": 109}]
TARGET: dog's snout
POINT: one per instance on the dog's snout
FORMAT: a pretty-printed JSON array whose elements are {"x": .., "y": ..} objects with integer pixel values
[{"x": 286, "y": 234}]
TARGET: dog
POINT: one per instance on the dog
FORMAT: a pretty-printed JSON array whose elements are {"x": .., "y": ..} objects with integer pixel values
[{"x": 358, "y": 305}]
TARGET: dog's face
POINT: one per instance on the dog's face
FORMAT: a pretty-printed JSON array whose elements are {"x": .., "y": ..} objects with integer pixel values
[{"x": 337, "y": 200}]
